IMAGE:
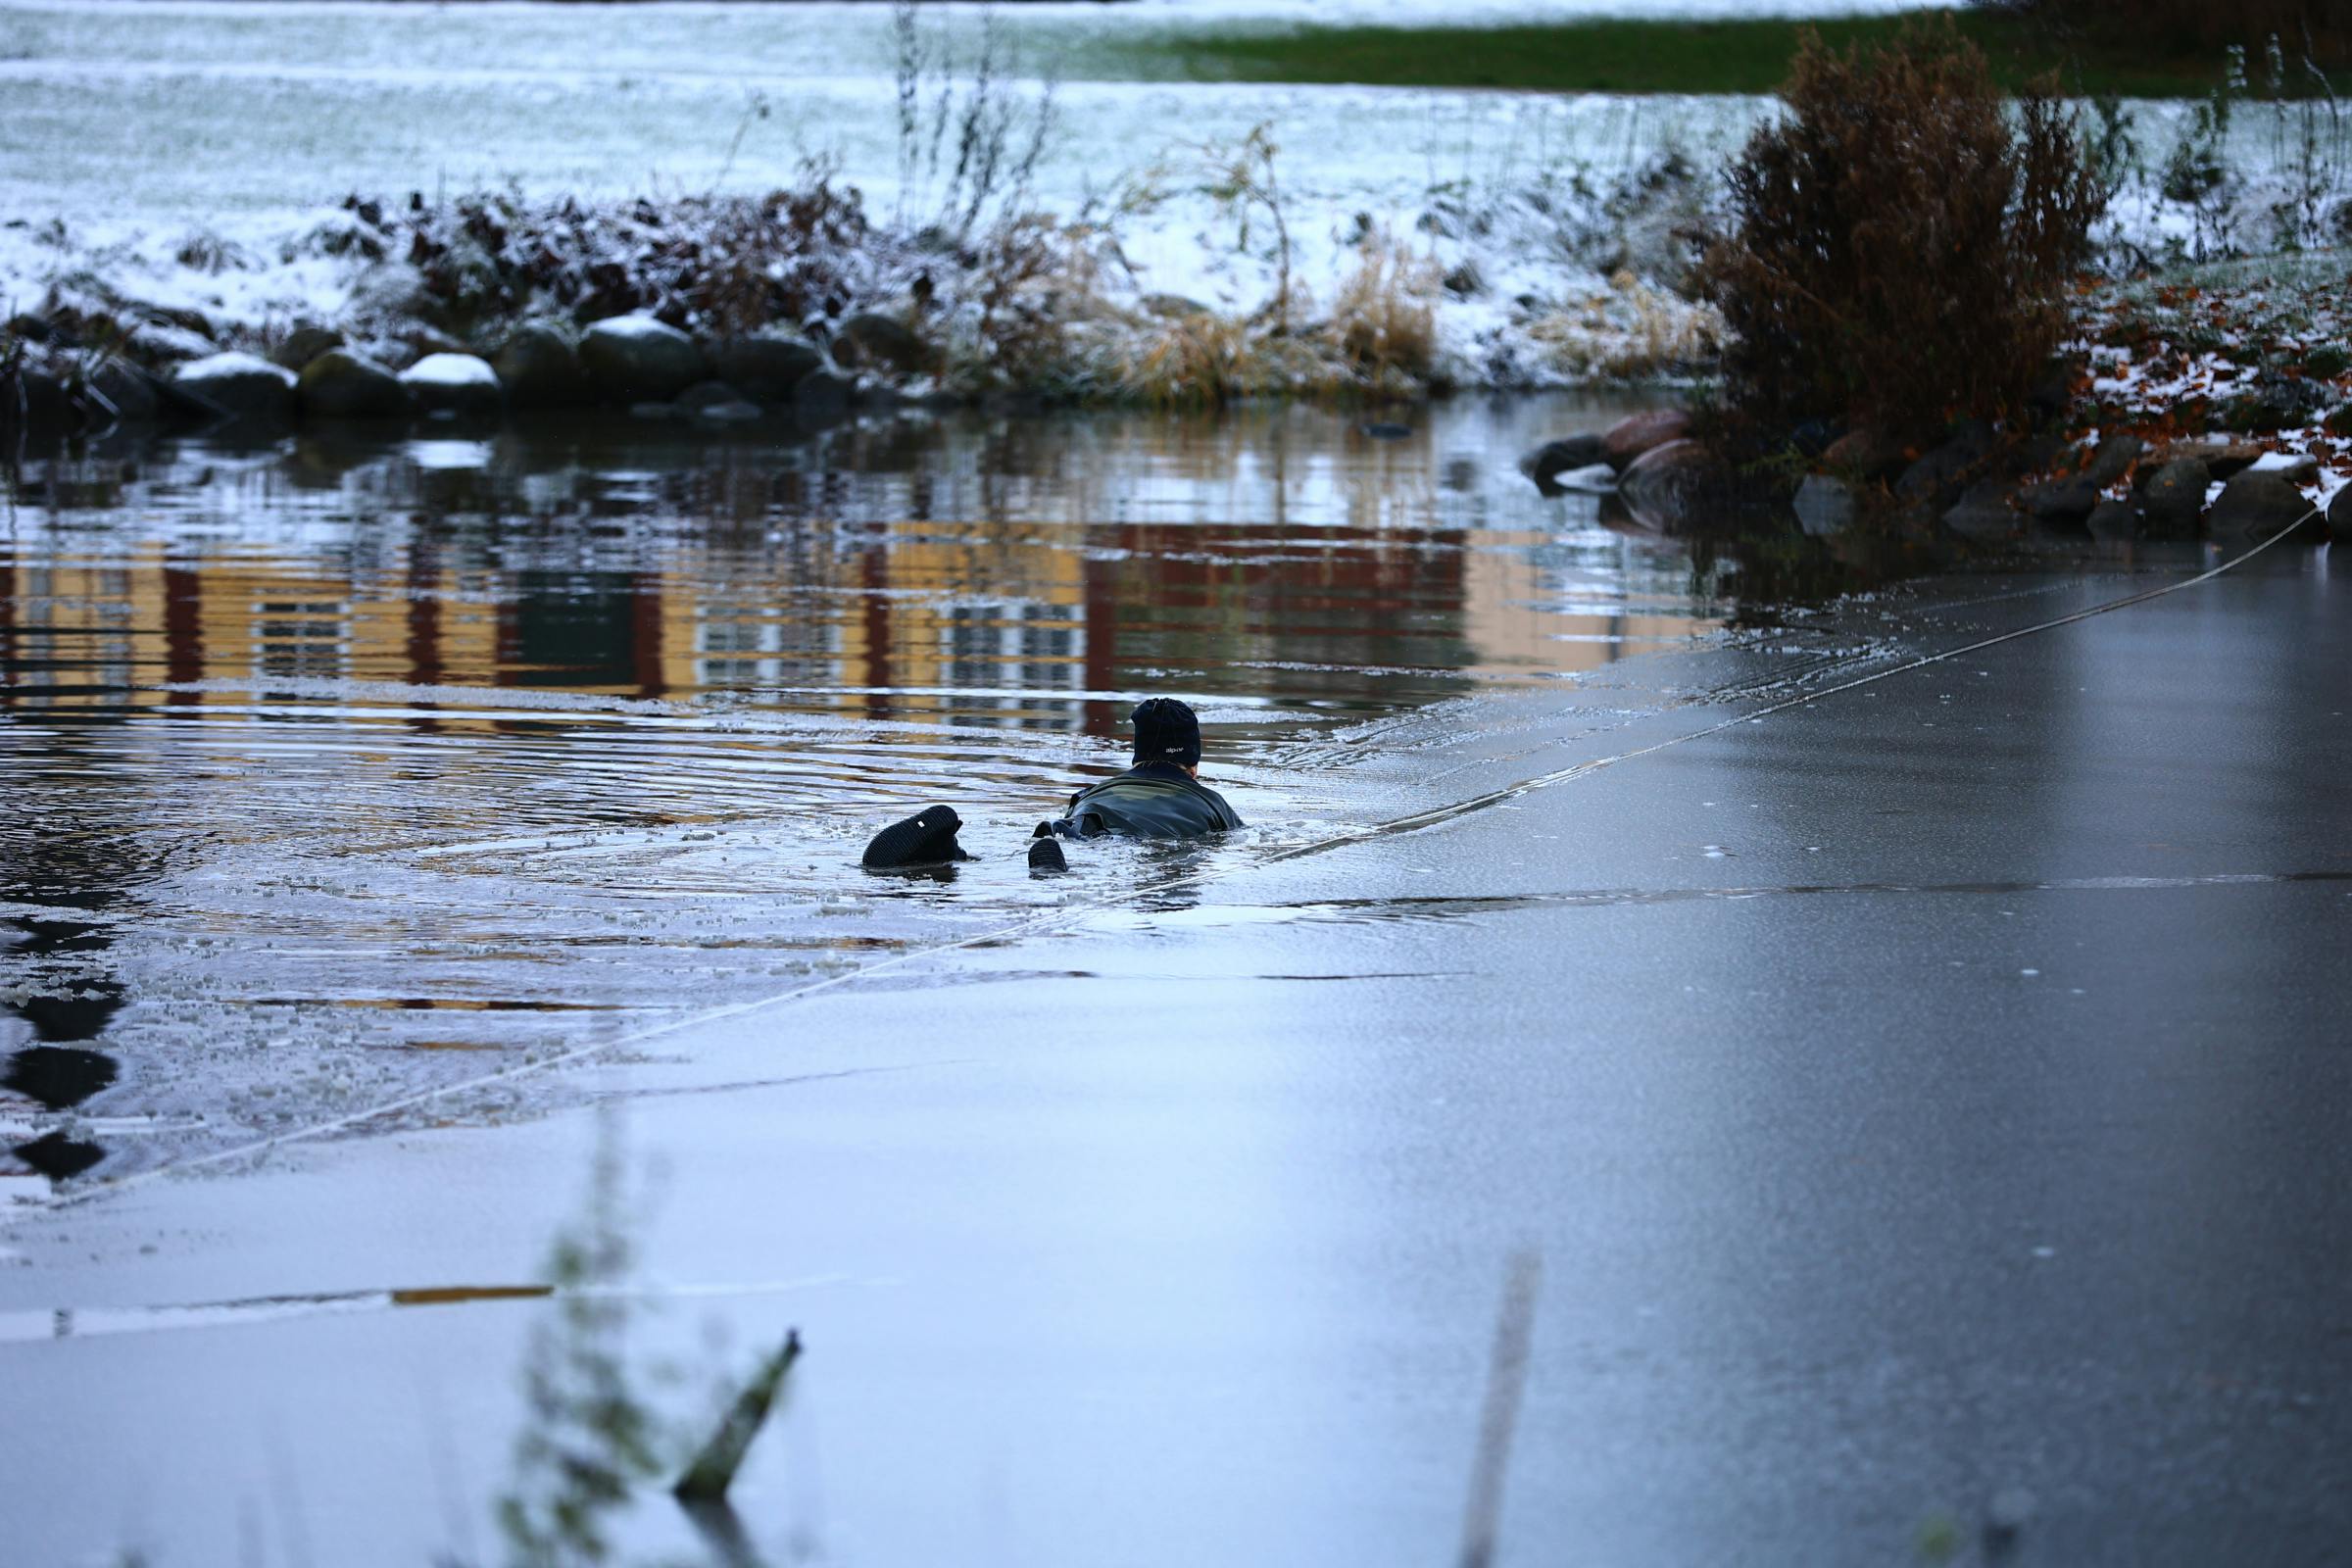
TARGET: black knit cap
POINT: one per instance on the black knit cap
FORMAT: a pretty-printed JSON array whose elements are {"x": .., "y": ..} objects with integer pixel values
[{"x": 1166, "y": 731}]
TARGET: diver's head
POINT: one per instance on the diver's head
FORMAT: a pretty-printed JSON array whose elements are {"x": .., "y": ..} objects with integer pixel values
[{"x": 1166, "y": 731}]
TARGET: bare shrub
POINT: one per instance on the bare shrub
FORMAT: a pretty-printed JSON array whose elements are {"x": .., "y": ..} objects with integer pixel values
[
  {"x": 720, "y": 263},
  {"x": 988, "y": 135},
  {"x": 1897, "y": 248}
]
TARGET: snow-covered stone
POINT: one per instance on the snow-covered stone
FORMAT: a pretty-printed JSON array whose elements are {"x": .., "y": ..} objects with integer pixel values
[
  {"x": 243, "y": 386},
  {"x": 637, "y": 358},
  {"x": 2257, "y": 505},
  {"x": 2296, "y": 467},
  {"x": 342, "y": 385},
  {"x": 453, "y": 384}
]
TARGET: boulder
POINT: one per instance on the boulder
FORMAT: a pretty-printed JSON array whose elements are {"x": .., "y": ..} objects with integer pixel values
[
  {"x": 2112, "y": 459},
  {"x": 2173, "y": 499},
  {"x": 2064, "y": 500},
  {"x": 1566, "y": 454},
  {"x": 1985, "y": 511},
  {"x": 458, "y": 385},
  {"x": 342, "y": 385},
  {"x": 1826, "y": 505},
  {"x": 1945, "y": 465},
  {"x": 822, "y": 398},
  {"x": 870, "y": 340},
  {"x": 1630, "y": 438},
  {"x": 2257, "y": 505},
  {"x": 242, "y": 386},
  {"x": 2117, "y": 522},
  {"x": 539, "y": 369},
  {"x": 1675, "y": 484},
  {"x": 2339, "y": 514},
  {"x": 715, "y": 400},
  {"x": 764, "y": 366},
  {"x": 1867, "y": 455},
  {"x": 2221, "y": 456},
  {"x": 305, "y": 344},
  {"x": 636, "y": 359},
  {"x": 2296, "y": 467}
]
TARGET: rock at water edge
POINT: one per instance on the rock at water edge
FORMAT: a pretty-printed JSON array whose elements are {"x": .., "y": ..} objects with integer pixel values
[
  {"x": 1984, "y": 512},
  {"x": 342, "y": 385},
  {"x": 636, "y": 359},
  {"x": 2257, "y": 505},
  {"x": 1825, "y": 505},
  {"x": 540, "y": 370},
  {"x": 1552, "y": 459},
  {"x": 870, "y": 340},
  {"x": 461, "y": 384},
  {"x": 243, "y": 386},
  {"x": 1630, "y": 438},
  {"x": 765, "y": 367}
]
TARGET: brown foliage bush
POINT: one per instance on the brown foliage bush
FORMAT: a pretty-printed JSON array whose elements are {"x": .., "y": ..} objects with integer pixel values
[{"x": 1897, "y": 248}]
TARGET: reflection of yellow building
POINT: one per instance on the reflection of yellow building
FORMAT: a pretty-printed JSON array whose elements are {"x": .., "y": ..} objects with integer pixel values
[
  {"x": 1517, "y": 625},
  {"x": 986, "y": 618},
  {"x": 145, "y": 632},
  {"x": 946, "y": 607}
]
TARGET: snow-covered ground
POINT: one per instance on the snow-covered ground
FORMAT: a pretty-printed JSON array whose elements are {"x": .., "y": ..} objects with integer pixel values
[{"x": 141, "y": 125}]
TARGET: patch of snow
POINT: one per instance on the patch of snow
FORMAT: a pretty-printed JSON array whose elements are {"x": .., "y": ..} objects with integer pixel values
[
  {"x": 450, "y": 455},
  {"x": 631, "y": 328},
  {"x": 451, "y": 369},
  {"x": 218, "y": 366}
]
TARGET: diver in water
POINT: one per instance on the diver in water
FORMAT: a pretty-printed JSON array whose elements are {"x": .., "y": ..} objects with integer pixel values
[{"x": 1161, "y": 797}]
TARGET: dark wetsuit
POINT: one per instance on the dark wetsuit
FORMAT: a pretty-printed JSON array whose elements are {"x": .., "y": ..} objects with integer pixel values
[{"x": 1149, "y": 801}]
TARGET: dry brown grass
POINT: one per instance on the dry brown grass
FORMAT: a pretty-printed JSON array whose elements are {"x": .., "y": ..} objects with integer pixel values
[
  {"x": 1384, "y": 318},
  {"x": 1632, "y": 331}
]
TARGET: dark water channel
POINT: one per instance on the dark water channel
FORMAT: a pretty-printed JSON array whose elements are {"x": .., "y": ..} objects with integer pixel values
[{"x": 339, "y": 768}]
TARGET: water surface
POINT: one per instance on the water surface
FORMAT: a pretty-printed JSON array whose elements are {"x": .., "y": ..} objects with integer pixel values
[{"x": 358, "y": 764}]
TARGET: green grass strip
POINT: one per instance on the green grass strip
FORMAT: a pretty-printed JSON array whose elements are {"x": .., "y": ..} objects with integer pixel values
[{"x": 1748, "y": 56}]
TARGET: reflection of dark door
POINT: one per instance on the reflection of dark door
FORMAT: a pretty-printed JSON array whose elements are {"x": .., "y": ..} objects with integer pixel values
[{"x": 583, "y": 629}]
